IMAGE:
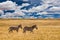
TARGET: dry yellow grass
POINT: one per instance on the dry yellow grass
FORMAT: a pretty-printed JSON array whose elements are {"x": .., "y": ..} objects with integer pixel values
[{"x": 47, "y": 30}]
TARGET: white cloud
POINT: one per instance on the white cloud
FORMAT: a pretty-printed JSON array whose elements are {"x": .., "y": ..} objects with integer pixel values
[
  {"x": 3, "y": 16},
  {"x": 56, "y": 6},
  {"x": 25, "y": 0},
  {"x": 7, "y": 15},
  {"x": 48, "y": 1},
  {"x": 12, "y": 15},
  {"x": 32, "y": 17},
  {"x": 25, "y": 4},
  {"x": 8, "y": 5},
  {"x": 52, "y": 2},
  {"x": 19, "y": 13},
  {"x": 55, "y": 9},
  {"x": 42, "y": 13},
  {"x": 1, "y": 12},
  {"x": 39, "y": 8}
]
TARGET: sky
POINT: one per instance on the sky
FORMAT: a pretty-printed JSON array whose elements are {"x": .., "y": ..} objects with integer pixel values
[{"x": 30, "y": 9}]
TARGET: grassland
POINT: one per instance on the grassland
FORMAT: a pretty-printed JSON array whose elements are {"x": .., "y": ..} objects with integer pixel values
[{"x": 47, "y": 30}]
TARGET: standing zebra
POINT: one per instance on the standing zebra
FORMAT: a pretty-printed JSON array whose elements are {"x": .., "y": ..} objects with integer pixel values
[{"x": 15, "y": 28}]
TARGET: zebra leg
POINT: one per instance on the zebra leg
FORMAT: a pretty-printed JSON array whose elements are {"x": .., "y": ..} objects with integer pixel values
[
  {"x": 24, "y": 31},
  {"x": 31, "y": 31},
  {"x": 10, "y": 30},
  {"x": 17, "y": 30}
]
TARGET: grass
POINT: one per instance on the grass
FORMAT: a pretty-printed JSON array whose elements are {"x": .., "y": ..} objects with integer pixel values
[{"x": 47, "y": 30}]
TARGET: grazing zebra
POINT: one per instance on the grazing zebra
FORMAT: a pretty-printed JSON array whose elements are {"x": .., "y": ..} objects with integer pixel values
[
  {"x": 29, "y": 28},
  {"x": 16, "y": 28}
]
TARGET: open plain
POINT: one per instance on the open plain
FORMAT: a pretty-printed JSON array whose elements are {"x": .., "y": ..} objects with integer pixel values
[{"x": 48, "y": 29}]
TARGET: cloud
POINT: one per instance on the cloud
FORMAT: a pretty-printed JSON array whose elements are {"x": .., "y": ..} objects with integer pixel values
[
  {"x": 1, "y": 12},
  {"x": 42, "y": 13},
  {"x": 32, "y": 17},
  {"x": 49, "y": 16},
  {"x": 25, "y": 4},
  {"x": 56, "y": 6},
  {"x": 52, "y": 2},
  {"x": 12, "y": 15},
  {"x": 19, "y": 13},
  {"x": 7, "y": 15},
  {"x": 25, "y": 0},
  {"x": 8, "y": 5},
  {"x": 39, "y": 8},
  {"x": 15, "y": 14},
  {"x": 48, "y": 1},
  {"x": 55, "y": 9}
]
